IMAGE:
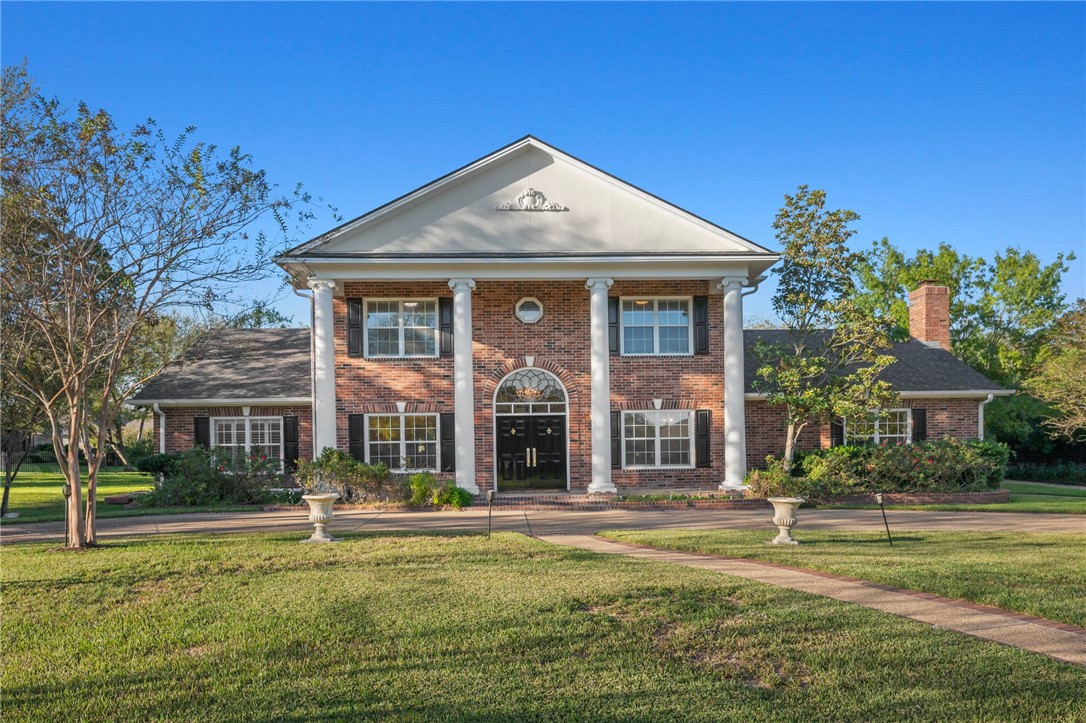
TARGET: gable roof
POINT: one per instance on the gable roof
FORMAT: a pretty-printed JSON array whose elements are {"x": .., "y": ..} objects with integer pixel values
[
  {"x": 917, "y": 369},
  {"x": 235, "y": 366},
  {"x": 467, "y": 213}
]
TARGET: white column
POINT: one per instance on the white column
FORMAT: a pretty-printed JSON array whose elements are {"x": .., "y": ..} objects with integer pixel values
[
  {"x": 324, "y": 366},
  {"x": 735, "y": 423},
  {"x": 601, "y": 388},
  {"x": 463, "y": 385}
]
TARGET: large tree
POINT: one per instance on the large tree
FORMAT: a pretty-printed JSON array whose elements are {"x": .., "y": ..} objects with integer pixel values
[
  {"x": 1060, "y": 375},
  {"x": 104, "y": 233},
  {"x": 830, "y": 365},
  {"x": 999, "y": 309}
]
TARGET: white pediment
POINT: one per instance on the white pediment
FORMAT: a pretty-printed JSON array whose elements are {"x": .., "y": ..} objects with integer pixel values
[{"x": 527, "y": 199}]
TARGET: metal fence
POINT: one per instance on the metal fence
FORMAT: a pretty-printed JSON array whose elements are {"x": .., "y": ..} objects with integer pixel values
[{"x": 45, "y": 461}]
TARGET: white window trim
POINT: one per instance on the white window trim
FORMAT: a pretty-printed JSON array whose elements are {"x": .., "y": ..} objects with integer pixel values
[
  {"x": 656, "y": 413},
  {"x": 403, "y": 442},
  {"x": 516, "y": 310},
  {"x": 248, "y": 434},
  {"x": 876, "y": 438},
  {"x": 400, "y": 300},
  {"x": 656, "y": 325}
]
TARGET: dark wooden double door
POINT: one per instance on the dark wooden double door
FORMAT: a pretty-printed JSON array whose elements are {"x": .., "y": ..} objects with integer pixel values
[{"x": 531, "y": 452}]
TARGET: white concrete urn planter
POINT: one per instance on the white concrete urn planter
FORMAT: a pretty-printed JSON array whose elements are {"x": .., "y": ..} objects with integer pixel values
[
  {"x": 784, "y": 517},
  {"x": 320, "y": 514}
]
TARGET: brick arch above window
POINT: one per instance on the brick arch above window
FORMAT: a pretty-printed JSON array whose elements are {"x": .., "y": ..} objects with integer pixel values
[{"x": 490, "y": 385}]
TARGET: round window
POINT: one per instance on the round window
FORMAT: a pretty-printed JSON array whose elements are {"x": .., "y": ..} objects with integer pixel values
[{"x": 529, "y": 310}]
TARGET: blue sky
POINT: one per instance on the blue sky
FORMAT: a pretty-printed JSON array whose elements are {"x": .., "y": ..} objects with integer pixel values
[{"x": 963, "y": 123}]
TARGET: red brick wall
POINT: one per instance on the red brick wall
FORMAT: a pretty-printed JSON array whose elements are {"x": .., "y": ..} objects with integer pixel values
[
  {"x": 681, "y": 382},
  {"x": 560, "y": 342},
  {"x": 179, "y": 425},
  {"x": 765, "y": 426}
]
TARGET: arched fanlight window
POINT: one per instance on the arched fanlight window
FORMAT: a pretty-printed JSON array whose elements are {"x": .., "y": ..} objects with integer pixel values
[{"x": 530, "y": 391}]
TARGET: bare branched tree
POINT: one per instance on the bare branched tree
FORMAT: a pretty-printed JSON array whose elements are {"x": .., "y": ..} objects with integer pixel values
[{"x": 104, "y": 233}]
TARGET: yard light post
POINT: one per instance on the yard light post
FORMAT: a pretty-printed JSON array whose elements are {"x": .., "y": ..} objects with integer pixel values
[
  {"x": 878, "y": 498},
  {"x": 489, "y": 511},
  {"x": 67, "y": 491}
]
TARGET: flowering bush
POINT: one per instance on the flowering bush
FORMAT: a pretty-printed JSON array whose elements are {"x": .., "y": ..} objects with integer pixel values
[{"x": 946, "y": 465}]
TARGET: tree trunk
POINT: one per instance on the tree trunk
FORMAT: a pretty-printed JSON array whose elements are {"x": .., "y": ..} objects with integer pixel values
[
  {"x": 93, "y": 464},
  {"x": 76, "y": 530},
  {"x": 10, "y": 470},
  {"x": 790, "y": 446}
]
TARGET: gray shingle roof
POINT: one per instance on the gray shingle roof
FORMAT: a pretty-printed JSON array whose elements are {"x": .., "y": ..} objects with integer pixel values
[
  {"x": 274, "y": 363},
  {"x": 919, "y": 367},
  {"x": 237, "y": 364}
]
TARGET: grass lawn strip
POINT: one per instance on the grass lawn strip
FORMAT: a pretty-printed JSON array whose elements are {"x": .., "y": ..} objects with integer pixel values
[
  {"x": 461, "y": 627},
  {"x": 1043, "y": 575},
  {"x": 1025, "y": 497},
  {"x": 37, "y": 497}
]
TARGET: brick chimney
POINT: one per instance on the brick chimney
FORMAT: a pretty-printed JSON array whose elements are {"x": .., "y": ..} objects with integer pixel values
[{"x": 929, "y": 314}]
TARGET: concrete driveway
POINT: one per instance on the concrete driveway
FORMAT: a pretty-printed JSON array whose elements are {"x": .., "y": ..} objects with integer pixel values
[{"x": 552, "y": 522}]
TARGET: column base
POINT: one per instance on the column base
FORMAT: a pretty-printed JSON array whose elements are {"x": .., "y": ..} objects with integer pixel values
[
  {"x": 733, "y": 486},
  {"x": 602, "y": 488},
  {"x": 471, "y": 487}
]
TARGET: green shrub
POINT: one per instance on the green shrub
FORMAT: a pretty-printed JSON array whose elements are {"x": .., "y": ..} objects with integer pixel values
[
  {"x": 945, "y": 465},
  {"x": 1059, "y": 474},
  {"x": 421, "y": 488},
  {"x": 774, "y": 481},
  {"x": 453, "y": 496},
  {"x": 354, "y": 481},
  {"x": 209, "y": 477},
  {"x": 157, "y": 464}
]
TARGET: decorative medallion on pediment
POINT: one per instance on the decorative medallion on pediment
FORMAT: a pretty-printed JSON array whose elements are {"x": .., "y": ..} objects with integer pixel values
[{"x": 531, "y": 200}]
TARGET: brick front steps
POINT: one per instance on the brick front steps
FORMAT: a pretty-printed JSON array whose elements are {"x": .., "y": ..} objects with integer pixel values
[{"x": 702, "y": 501}]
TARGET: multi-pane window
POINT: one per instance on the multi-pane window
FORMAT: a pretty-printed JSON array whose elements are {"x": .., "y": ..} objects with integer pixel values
[
  {"x": 656, "y": 326},
  {"x": 241, "y": 437},
  {"x": 401, "y": 328},
  {"x": 402, "y": 442},
  {"x": 887, "y": 427},
  {"x": 658, "y": 438}
]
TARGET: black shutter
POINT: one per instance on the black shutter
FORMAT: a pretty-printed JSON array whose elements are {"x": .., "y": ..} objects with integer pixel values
[
  {"x": 616, "y": 438},
  {"x": 290, "y": 443},
  {"x": 354, "y": 327},
  {"x": 702, "y": 456},
  {"x": 447, "y": 424},
  {"x": 701, "y": 324},
  {"x": 837, "y": 432},
  {"x": 445, "y": 321},
  {"x": 201, "y": 432},
  {"x": 920, "y": 425},
  {"x": 612, "y": 324},
  {"x": 356, "y": 436}
]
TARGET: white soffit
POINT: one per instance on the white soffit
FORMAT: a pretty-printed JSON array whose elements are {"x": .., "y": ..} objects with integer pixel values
[{"x": 480, "y": 211}]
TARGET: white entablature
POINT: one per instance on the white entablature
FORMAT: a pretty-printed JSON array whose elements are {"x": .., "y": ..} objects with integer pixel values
[{"x": 528, "y": 204}]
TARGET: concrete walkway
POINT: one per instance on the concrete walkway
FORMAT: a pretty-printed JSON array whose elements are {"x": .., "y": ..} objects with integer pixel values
[
  {"x": 554, "y": 522},
  {"x": 1061, "y": 642}
]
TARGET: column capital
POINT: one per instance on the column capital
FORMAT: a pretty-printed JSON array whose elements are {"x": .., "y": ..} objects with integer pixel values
[
  {"x": 455, "y": 284},
  {"x": 599, "y": 283},
  {"x": 730, "y": 283},
  {"x": 320, "y": 284}
]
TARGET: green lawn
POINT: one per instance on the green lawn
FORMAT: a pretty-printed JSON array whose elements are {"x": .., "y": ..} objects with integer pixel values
[
  {"x": 1036, "y": 574},
  {"x": 37, "y": 497},
  {"x": 463, "y": 628},
  {"x": 1025, "y": 497}
]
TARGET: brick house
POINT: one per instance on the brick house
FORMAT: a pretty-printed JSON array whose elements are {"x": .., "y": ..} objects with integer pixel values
[{"x": 531, "y": 322}]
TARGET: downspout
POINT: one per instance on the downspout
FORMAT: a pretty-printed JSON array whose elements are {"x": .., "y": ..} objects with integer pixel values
[
  {"x": 756, "y": 283},
  {"x": 161, "y": 428},
  {"x": 312, "y": 372},
  {"x": 980, "y": 416}
]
